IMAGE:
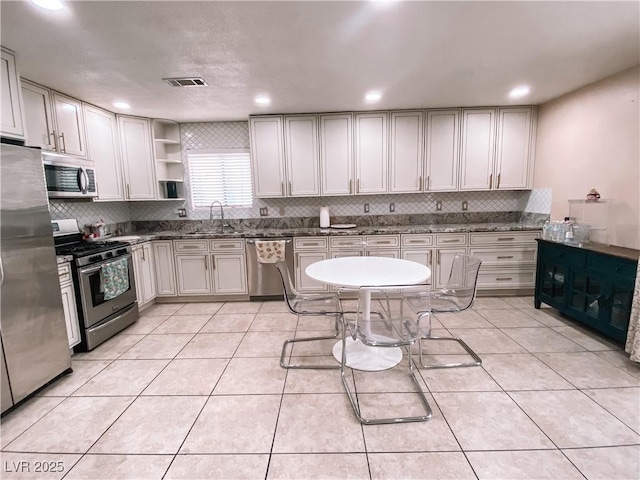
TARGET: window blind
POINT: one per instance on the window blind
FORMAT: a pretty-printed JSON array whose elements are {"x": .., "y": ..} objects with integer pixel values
[{"x": 222, "y": 175}]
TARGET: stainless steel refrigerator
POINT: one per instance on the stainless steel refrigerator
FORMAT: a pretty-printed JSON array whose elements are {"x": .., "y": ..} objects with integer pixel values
[{"x": 35, "y": 348}]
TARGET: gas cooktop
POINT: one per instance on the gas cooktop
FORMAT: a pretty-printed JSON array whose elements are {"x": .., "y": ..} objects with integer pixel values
[{"x": 83, "y": 248}]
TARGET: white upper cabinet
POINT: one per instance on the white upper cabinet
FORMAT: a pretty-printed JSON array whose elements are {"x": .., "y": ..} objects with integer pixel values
[
  {"x": 38, "y": 116},
  {"x": 406, "y": 151},
  {"x": 371, "y": 152},
  {"x": 137, "y": 158},
  {"x": 104, "y": 150},
  {"x": 302, "y": 155},
  {"x": 478, "y": 149},
  {"x": 12, "y": 123},
  {"x": 53, "y": 121},
  {"x": 442, "y": 158},
  {"x": 514, "y": 166},
  {"x": 70, "y": 125},
  {"x": 336, "y": 154},
  {"x": 267, "y": 156}
]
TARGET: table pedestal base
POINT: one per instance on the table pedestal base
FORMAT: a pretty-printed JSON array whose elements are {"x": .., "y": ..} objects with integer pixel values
[{"x": 364, "y": 357}]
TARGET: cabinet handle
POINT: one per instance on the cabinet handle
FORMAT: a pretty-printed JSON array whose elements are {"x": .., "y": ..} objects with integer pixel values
[
  {"x": 380, "y": 242},
  {"x": 350, "y": 185},
  {"x": 128, "y": 191},
  {"x": 143, "y": 259},
  {"x": 55, "y": 139},
  {"x": 505, "y": 239},
  {"x": 282, "y": 189},
  {"x": 504, "y": 256},
  {"x": 189, "y": 246},
  {"x": 498, "y": 185},
  {"x": 416, "y": 241},
  {"x": 64, "y": 144},
  {"x": 420, "y": 182},
  {"x": 490, "y": 180},
  {"x": 213, "y": 263},
  {"x": 438, "y": 257},
  {"x": 358, "y": 186},
  {"x": 226, "y": 245},
  {"x": 450, "y": 241},
  {"x": 428, "y": 182},
  {"x": 310, "y": 244},
  {"x": 503, "y": 279},
  {"x": 290, "y": 193}
]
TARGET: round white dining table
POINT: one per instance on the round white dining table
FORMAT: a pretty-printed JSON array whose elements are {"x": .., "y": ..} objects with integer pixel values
[{"x": 358, "y": 272}]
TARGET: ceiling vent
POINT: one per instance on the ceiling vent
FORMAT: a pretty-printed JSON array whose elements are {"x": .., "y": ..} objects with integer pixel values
[{"x": 186, "y": 82}]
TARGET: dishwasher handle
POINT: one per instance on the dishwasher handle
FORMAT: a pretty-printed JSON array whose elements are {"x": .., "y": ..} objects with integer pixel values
[{"x": 253, "y": 240}]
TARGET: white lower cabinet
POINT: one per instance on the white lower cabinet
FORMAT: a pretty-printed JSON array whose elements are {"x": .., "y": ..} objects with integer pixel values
[
  {"x": 304, "y": 283},
  {"x": 165, "y": 268},
  {"x": 443, "y": 264},
  {"x": 419, "y": 256},
  {"x": 229, "y": 277},
  {"x": 192, "y": 272},
  {"x": 145, "y": 273},
  {"x": 69, "y": 304}
]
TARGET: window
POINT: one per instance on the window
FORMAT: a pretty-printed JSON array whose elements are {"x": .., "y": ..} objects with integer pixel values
[{"x": 222, "y": 175}]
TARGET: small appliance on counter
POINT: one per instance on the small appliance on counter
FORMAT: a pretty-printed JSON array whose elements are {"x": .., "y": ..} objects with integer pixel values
[
  {"x": 325, "y": 219},
  {"x": 97, "y": 231}
]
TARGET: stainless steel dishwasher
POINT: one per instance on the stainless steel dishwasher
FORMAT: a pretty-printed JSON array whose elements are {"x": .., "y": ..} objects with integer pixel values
[{"x": 264, "y": 278}]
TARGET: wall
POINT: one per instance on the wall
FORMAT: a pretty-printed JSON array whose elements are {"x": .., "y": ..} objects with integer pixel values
[{"x": 590, "y": 138}]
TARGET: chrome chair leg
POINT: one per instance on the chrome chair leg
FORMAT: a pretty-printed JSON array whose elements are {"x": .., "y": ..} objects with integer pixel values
[
  {"x": 476, "y": 359},
  {"x": 286, "y": 343}
]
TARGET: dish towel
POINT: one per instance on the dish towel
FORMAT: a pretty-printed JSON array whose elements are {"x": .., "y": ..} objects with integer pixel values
[
  {"x": 114, "y": 278},
  {"x": 270, "y": 251}
]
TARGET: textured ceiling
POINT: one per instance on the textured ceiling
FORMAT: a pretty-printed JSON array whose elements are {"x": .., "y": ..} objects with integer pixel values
[{"x": 318, "y": 56}]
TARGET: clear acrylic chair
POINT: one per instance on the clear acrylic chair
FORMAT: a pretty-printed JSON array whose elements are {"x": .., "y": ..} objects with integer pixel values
[
  {"x": 392, "y": 331},
  {"x": 458, "y": 295},
  {"x": 308, "y": 305}
]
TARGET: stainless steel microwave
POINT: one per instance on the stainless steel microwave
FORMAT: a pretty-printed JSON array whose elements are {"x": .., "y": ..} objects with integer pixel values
[{"x": 69, "y": 179}]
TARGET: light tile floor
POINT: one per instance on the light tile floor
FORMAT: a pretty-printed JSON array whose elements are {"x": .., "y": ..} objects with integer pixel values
[{"x": 196, "y": 391}]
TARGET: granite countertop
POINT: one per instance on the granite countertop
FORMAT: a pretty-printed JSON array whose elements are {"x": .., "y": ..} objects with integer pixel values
[{"x": 302, "y": 232}]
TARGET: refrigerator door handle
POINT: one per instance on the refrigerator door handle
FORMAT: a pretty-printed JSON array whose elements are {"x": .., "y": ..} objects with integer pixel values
[{"x": 1, "y": 272}]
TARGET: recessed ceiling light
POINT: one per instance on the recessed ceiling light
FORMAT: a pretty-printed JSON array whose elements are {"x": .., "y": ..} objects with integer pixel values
[
  {"x": 123, "y": 105},
  {"x": 49, "y": 4},
  {"x": 262, "y": 100},
  {"x": 519, "y": 92},
  {"x": 373, "y": 96}
]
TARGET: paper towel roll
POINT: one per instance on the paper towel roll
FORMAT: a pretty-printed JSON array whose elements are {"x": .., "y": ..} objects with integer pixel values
[{"x": 324, "y": 217}]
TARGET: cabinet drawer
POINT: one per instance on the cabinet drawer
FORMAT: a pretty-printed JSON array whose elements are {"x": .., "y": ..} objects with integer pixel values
[
  {"x": 64, "y": 273},
  {"x": 383, "y": 252},
  {"x": 230, "y": 244},
  {"x": 382, "y": 241},
  {"x": 190, "y": 246},
  {"x": 310, "y": 243},
  {"x": 505, "y": 256},
  {"x": 346, "y": 242},
  {"x": 417, "y": 240},
  {"x": 502, "y": 238},
  {"x": 561, "y": 254},
  {"x": 516, "y": 278},
  {"x": 608, "y": 265},
  {"x": 449, "y": 239}
]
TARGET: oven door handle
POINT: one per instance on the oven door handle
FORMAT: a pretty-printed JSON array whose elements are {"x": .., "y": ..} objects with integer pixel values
[
  {"x": 90, "y": 270},
  {"x": 95, "y": 268}
]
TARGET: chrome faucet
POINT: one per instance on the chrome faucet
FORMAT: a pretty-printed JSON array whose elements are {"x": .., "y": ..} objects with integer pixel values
[{"x": 223, "y": 224}]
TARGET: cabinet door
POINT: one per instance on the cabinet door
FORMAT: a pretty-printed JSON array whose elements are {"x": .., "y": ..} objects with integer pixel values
[
  {"x": 165, "y": 269},
  {"x": 336, "y": 154},
  {"x": 442, "y": 156},
  {"x": 478, "y": 152},
  {"x": 444, "y": 262},
  {"x": 70, "y": 125},
  {"x": 38, "y": 117},
  {"x": 371, "y": 152},
  {"x": 193, "y": 274},
  {"x": 304, "y": 283},
  {"x": 267, "y": 156},
  {"x": 513, "y": 162},
  {"x": 70, "y": 314},
  {"x": 147, "y": 274},
  {"x": 302, "y": 153},
  {"x": 419, "y": 256},
  {"x": 406, "y": 152},
  {"x": 103, "y": 149},
  {"x": 137, "y": 158},
  {"x": 12, "y": 124},
  {"x": 229, "y": 274}
]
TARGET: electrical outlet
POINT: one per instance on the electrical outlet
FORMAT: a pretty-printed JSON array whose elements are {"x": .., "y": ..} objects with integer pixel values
[
  {"x": 182, "y": 212},
  {"x": 264, "y": 211},
  {"x": 392, "y": 207},
  {"x": 465, "y": 205},
  {"x": 366, "y": 208},
  {"x": 439, "y": 205}
]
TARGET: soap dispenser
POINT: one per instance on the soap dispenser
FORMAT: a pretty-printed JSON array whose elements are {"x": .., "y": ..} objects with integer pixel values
[{"x": 324, "y": 217}]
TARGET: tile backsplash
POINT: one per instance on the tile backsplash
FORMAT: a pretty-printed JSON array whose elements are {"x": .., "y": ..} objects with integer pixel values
[{"x": 220, "y": 135}]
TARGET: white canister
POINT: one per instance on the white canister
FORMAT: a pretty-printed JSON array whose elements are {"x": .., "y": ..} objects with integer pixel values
[{"x": 324, "y": 217}]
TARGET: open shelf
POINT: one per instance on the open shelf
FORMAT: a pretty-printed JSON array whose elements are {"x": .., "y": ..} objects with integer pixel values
[{"x": 168, "y": 159}]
